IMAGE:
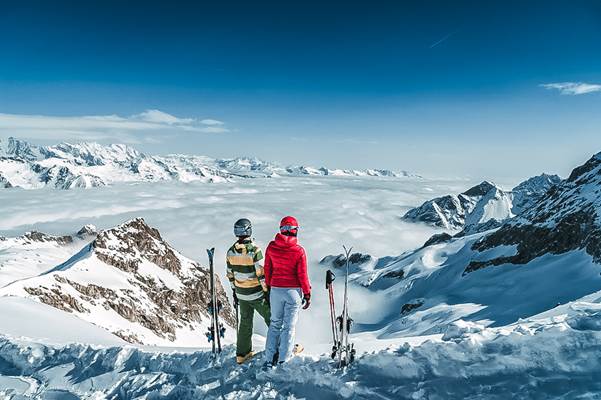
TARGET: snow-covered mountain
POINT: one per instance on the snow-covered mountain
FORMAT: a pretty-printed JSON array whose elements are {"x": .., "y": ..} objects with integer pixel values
[
  {"x": 127, "y": 280},
  {"x": 67, "y": 166},
  {"x": 567, "y": 219},
  {"x": 483, "y": 203},
  {"x": 476, "y": 205},
  {"x": 548, "y": 256}
]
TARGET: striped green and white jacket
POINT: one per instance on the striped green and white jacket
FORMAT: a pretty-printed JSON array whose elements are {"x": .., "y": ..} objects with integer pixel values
[{"x": 244, "y": 270}]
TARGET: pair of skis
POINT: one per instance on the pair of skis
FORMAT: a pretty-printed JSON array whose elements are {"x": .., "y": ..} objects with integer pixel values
[
  {"x": 216, "y": 330},
  {"x": 343, "y": 352}
]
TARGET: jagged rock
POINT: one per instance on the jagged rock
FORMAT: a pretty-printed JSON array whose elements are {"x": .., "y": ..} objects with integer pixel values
[
  {"x": 56, "y": 298},
  {"x": 480, "y": 190},
  {"x": 36, "y": 236},
  {"x": 408, "y": 307},
  {"x": 400, "y": 274},
  {"x": 126, "y": 246},
  {"x": 340, "y": 260},
  {"x": 438, "y": 238}
]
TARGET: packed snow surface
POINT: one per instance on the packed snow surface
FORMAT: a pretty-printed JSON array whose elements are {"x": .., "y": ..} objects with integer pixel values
[{"x": 549, "y": 357}]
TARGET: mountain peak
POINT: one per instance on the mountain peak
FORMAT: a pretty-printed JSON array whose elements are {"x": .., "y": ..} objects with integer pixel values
[
  {"x": 480, "y": 190},
  {"x": 20, "y": 149},
  {"x": 585, "y": 168},
  {"x": 129, "y": 244}
]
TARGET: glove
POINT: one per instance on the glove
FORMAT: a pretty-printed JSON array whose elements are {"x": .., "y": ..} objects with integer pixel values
[
  {"x": 306, "y": 301},
  {"x": 235, "y": 296}
]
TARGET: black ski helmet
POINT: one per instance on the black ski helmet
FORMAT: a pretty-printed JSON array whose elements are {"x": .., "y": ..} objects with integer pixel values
[{"x": 243, "y": 228}]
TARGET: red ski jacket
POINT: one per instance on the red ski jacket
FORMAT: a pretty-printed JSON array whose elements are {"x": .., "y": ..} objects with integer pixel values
[{"x": 286, "y": 264}]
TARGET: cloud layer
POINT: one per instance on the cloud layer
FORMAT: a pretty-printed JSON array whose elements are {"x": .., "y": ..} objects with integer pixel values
[
  {"x": 573, "y": 88},
  {"x": 97, "y": 127}
]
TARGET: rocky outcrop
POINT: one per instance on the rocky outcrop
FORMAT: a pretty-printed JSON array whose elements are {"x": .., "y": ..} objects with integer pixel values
[
  {"x": 529, "y": 192},
  {"x": 35, "y": 236},
  {"x": 4, "y": 183},
  {"x": 437, "y": 239},
  {"x": 56, "y": 298},
  {"x": 409, "y": 307}
]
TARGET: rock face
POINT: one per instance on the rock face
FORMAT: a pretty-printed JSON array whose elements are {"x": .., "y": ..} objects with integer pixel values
[
  {"x": 85, "y": 165},
  {"x": 129, "y": 281},
  {"x": 529, "y": 192},
  {"x": 474, "y": 209},
  {"x": 567, "y": 218}
]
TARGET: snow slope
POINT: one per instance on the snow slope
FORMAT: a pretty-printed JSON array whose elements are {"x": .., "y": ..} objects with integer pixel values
[
  {"x": 26, "y": 319},
  {"x": 85, "y": 165},
  {"x": 34, "y": 252}
]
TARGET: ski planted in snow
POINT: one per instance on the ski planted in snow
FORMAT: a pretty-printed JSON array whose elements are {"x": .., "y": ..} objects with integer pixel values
[
  {"x": 342, "y": 351},
  {"x": 216, "y": 330}
]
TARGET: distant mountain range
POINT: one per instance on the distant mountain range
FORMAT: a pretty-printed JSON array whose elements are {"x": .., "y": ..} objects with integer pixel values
[
  {"x": 84, "y": 165},
  {"x": 485, "y": 203}
]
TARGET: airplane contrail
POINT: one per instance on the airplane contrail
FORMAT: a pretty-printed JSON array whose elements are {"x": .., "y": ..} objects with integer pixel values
[{"x": 442, "y": 40}]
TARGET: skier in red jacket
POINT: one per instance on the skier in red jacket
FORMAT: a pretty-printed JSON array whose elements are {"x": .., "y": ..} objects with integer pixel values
[{"x": 288, "y": 282}]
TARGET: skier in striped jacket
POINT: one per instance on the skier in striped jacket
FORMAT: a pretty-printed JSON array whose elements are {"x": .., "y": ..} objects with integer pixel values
[{"x": 247, "y": 278}]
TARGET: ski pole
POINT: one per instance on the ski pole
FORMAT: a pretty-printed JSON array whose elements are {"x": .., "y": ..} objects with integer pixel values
[{"x": 329, "y": 280}]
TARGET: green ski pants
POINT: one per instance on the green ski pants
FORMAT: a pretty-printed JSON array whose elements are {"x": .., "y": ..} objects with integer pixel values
[{"x": 245, "y": 330}]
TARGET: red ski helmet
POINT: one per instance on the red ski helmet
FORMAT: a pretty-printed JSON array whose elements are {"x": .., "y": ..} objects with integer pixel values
[{"x": 289, "y": 226}]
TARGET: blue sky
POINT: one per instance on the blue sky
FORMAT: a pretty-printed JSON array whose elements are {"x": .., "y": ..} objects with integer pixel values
[{"x": 441, "y": 88}]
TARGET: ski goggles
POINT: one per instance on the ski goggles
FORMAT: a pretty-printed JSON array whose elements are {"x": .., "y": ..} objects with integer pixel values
[
  {"x": 288, "y": 228},
  {"x": 242, "y": 231}
]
